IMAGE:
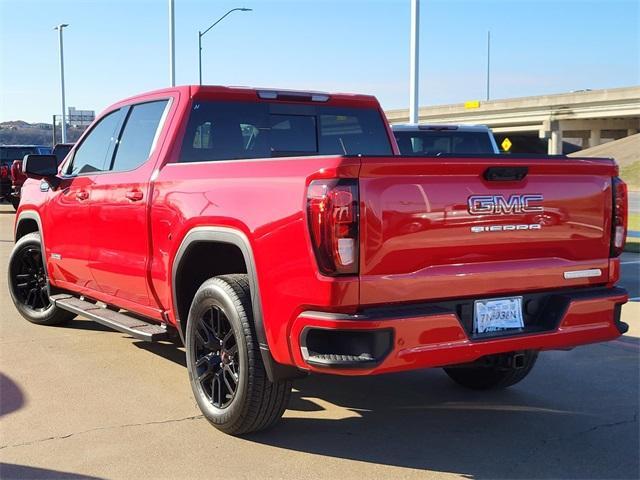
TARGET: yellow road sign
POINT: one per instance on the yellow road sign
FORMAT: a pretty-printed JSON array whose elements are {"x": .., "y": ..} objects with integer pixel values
[
  {"x": 506, "y": 144},
  {"x": 472, "y": 104}
]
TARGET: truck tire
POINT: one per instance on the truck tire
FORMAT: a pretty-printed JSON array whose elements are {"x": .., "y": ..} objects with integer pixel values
[
  {"x": 498, "y": 374},
  {"x": 28, "y": 283},
  {"x": 15, "y": 202},
  {"x": 225, "y": 366}
]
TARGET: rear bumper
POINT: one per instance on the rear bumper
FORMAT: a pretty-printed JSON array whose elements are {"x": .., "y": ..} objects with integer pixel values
[{"x": 433, "y": 335}]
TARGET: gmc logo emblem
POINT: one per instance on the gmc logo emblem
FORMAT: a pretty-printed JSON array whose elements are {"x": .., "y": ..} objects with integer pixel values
[{"x": 498, "y": 204}]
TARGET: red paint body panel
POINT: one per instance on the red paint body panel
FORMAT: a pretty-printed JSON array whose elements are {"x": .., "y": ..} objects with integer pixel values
[
  {"x": 119, "y": 256},
  {"x": 234, "y": 194},
  {"x": 415, "y": 238}
]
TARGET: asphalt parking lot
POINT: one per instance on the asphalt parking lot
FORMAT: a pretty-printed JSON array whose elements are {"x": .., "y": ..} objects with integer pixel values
[{"x": 82, "y": 401}]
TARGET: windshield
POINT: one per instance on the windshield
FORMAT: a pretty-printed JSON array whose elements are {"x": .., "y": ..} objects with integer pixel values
[
  {"x": 238, "y": 130},
  {"x": 427, "y": 142}
]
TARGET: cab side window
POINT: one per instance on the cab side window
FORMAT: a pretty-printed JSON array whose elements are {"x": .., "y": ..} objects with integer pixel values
[
  {"x": 139, "y": 135},
  {"x": 94, "y": 154}
]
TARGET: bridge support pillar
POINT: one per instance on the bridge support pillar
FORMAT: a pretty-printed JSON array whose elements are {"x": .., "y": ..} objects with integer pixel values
[
  {"x": 555, "y": 141},
  {"x": 585, "y": 140},
  {"x": 594, "y": 138}
]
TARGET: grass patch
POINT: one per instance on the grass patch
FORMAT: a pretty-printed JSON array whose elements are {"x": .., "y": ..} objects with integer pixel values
[
  {"x": 633, "y": 243},
  {"x": 631, "y": 175}
]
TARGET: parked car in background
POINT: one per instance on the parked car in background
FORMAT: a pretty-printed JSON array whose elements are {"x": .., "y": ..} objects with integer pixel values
[
  {"x": 8, "y": 154},
  {"x": 18, "y": 177},
  {"x": 427, "y": 140}
]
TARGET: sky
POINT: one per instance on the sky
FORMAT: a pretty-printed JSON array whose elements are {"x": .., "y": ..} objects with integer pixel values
[{"x": 117, "y": 48}]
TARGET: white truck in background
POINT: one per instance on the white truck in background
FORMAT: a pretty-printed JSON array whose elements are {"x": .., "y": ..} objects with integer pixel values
[{"x": 434, "y": 139}]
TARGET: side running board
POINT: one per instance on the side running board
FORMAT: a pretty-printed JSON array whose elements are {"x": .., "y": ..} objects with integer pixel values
[{"x": 121, "y": 322}]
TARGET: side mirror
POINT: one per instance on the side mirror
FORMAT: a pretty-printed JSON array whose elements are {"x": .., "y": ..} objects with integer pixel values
[{"x": 40, "y": 166}]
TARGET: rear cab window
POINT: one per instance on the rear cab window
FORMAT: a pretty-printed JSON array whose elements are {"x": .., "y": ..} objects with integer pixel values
[{"x": 230, "y": 130}]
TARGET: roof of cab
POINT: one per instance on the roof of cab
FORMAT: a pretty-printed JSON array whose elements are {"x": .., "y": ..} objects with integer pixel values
[
  {"x": 255, "y": 93},
  {"x": 252, "y": 93}
]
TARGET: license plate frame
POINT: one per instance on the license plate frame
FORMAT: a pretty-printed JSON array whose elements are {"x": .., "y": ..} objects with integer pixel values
[{"x": 498, "y": 315}]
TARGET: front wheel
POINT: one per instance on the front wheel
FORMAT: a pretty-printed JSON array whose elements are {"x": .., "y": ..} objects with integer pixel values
[
  {"x": 498, "y": 371},
  {"x": 28, "y": 283},
  {"x": 225, "y": 366}
]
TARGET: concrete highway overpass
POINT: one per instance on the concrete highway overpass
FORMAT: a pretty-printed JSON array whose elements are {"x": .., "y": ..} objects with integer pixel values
[{"x": 585, "y": 118}]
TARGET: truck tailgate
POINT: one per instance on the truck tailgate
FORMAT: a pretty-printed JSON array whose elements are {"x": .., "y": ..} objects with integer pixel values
[{"x": 437, "y": 228}]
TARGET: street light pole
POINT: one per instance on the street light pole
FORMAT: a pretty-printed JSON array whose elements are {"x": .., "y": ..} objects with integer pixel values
[
  {"x": 64, "y": 113},
  {"x": 414, "y": 74},
  {"x": 202, "y": 34},
  {"x": 172, "y": 44},
  {"x": 488, "y": 60},
  {"x": 200, "y": 57}
]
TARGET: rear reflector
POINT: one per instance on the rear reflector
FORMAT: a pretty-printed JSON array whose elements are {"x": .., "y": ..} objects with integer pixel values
[
  {"x": 592, "y": 272},
  {"x": 332, "y": 211}
]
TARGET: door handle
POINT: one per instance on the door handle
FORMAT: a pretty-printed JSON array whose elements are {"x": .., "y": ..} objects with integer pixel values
[
  {"x": 82, "y": 195},
  {"x": 134, "y": 195}
]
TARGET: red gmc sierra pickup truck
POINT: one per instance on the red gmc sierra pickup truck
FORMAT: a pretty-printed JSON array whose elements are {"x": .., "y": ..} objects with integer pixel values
[{"x": 279, "y": 233}]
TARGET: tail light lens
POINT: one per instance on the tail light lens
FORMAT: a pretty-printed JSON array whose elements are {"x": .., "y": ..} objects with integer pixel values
[
  {"x": 619, "y": 216},
  {"x": 332, "y": 210},
  {"x": 4, "y": 171}
]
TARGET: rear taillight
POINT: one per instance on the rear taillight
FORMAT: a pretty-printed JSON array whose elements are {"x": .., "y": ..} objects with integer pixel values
[
  {"x": 332, "y": 209},
  {"x": 4, "y": 171},
  {"x": 619, "y": 216}
]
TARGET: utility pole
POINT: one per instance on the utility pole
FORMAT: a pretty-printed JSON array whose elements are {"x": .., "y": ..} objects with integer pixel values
[
  {"x": 488, "y": 60},
  {"x": 414, "y": 75},
  {"x": 64, "y": 108},
  {"x": 172, "y": 44}
]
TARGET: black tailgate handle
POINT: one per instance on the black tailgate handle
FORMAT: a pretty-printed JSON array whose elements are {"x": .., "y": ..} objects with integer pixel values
[{"x": 505, "y": 174}]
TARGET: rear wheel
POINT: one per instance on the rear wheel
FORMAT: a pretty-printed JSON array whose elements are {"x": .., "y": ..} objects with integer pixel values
[
  {"x": 224, "y": 362},
  {"x": 28, "y": 283},
  {"x": 15, "y": 202},
  {"x": 496, "y": 371}
]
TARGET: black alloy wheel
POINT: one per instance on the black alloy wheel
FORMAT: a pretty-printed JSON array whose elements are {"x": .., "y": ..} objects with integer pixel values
[
  {"x": 216, "y": 357},
  {"x": 28, "y": 285},
  {"x": 29, "y": 280},
  {"x": 224, "y": 361}
]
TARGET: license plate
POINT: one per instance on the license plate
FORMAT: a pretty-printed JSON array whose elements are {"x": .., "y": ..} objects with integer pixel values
[{"x": 497, "y": 314}]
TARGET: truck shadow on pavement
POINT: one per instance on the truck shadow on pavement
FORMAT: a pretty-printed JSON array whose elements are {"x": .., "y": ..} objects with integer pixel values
[
  {"x": 11, "y": 396},
  {"x": 554, "y": 424},
  {"x": 11, "y": 471},
  {"x": 574, "y": 416}
]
